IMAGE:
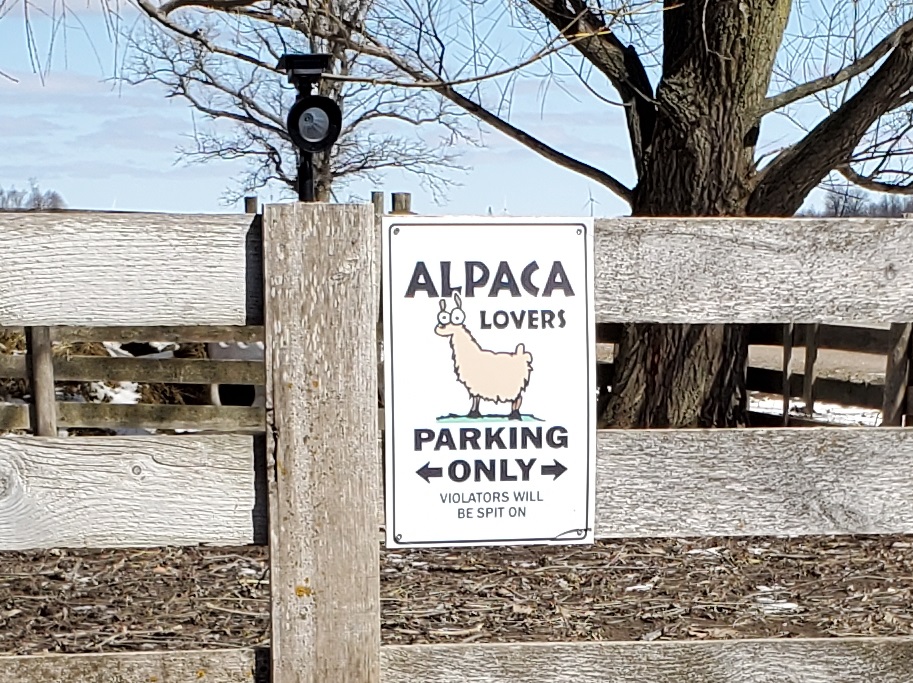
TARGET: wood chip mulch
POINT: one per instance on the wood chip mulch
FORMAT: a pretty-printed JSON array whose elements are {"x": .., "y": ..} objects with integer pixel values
[{"x": 188, "y": 598}]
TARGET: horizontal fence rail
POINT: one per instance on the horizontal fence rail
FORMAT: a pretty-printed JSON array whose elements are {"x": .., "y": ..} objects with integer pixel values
[
  {"x": 164, "y": 370},
  {"x": 187, "y": 334},
  {"x": 130, "y": 491},
  {"x": 871, "y": 340},
  {"x": 16, "y": 417},
  {"x": 810, "y": 660},
  {"x": 680, "y": 483},
  {"x": 649, "y": 270},
  {"x": 211, "y": 666},
  {"x": 693, "y": 270},
  {"x": 130, "y": 269}
]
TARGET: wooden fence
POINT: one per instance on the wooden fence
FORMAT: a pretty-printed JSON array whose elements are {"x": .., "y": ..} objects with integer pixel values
[{"x": 311, "y": 488}]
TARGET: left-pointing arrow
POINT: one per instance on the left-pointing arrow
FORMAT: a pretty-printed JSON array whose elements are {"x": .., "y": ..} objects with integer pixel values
[{"x": 426, "y": 472}]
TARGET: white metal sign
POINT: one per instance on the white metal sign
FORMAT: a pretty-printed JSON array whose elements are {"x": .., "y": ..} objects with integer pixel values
[{"x": 489, "y": 388}]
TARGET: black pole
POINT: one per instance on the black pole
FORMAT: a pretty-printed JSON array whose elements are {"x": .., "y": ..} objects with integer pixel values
[{"x": 306, "y": 178}]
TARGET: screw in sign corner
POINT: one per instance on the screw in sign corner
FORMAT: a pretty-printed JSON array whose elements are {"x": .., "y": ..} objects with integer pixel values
[{"x": 490, "y": 361}]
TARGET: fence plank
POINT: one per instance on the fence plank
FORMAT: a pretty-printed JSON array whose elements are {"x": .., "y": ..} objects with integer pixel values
[
  {"x": 321, "y": 315},
  {"x": 897, "y": 375},
  {"x": 811, "y": 357},
  {"x": 142, "y": 416},
  {"x": 168, "y": 370},
  {"x": 127, "y": 491},
  {"x": 13, "y": 367},
  {"x": 848, "y": 660},
  {"x": 693, "y": 270},
  {"x": 40, "y": 363},
  {"x": 184, "y": 269},
  {"x": 801, "y": 481},
  {"x": 810, "y": 660},
  {"x": 872, "y": 340},
  {"x": 188, "y": 334},
  {"x": 648, "y": 270},
  {"x": 14, "y": 417},
  {"x": 776, "y": 482},
  {"x": 158, "y": 416},
  {"x": 209, "y": 666},
  {"x": 788, "y": 330}
]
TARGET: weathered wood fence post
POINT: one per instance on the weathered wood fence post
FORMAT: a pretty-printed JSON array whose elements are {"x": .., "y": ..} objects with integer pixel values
[
  {"x": 897, "y": 375},
  {"x": 811, "y": 357},
  {"x": 321, "y": 297},
  {"x": 402, "y": 202},
  {"x": 41, "y": 380}
]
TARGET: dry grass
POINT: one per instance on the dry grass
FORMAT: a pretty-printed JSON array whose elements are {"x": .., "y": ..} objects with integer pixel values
[{"x": 183, "y": 598}]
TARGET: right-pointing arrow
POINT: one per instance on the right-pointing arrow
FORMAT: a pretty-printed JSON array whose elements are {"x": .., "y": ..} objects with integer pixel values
[
  {"x": 426, "y": 472},
  {"x": 557, "y": 469}
]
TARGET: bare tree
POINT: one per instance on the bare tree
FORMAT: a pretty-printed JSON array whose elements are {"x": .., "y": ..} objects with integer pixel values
[
  {"x": 696, "y": 79},
  {"x": 32, "y": 199},
  {"x": 383, "y": 127},
  {"x": 61, "y": 15},
  {"x": 843, "y": 200}
]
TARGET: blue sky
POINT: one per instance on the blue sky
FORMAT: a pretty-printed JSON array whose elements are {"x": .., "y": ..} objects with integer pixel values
[{"x": 108, "y": 146}]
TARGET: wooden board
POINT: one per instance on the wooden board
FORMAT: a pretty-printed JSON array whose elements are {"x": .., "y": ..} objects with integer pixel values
[
  {"x": 719, "y": 270},
  {"x": 187, "y": 334},
  {"x": 205, "y": 270},
  {"x": 797, "y": 481},
  {"x": 13, "y": 367},
  {"x": 778, "y": 482},
  {"x": 813, "y": 660},
  {"x": 127, "y": 491},
  {"x": 14, "y": 417},
  {"x": 205, "y": 666},
  {"x": 40, "y": 363},
  {"x": 870, "y": 340},
  {"x": 168, "y": 370},
  {"x": 321, "y": 314},
  {"x": 831, "y": 660},
  {"x": 142, "y": 416},
  {"x": 129, "y": 269},
  {"x": 897, "y": 375}
]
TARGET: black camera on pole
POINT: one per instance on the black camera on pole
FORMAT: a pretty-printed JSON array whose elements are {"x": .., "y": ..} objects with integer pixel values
[{"x": 314, "y": 121}]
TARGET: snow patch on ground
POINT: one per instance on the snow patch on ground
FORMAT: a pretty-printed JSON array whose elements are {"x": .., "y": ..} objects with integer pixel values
[
  {"x": 824, "y": 412},
  {"x": 769, "y": 603}
]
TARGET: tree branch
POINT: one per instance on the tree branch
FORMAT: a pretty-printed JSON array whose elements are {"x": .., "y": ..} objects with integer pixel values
[
  {"x": 499, "y": 124},
  {"x": 217, "y": 5},
  {"x": 537, "y": 145},
  {"x": 163, "y": 19},
  {"x": 873, "y": 185},
  {"x": 860, "y": 66},
  {"x": 621, "y": 65},
  {"x": 785, "y": 183}
]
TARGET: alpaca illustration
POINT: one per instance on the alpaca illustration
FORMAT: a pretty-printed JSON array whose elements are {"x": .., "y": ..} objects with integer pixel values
[{"x": 500, "y": 377}]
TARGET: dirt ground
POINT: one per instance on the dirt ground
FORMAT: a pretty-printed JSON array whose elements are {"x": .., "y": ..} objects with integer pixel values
[
  {"x": 185, "y": 598},
  {"x": 841, "y": 365}
]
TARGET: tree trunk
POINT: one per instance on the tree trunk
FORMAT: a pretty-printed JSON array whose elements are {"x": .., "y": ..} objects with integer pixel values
[
  {"x": 717, "y": 61},
  {"x": 679, "y": 376}
]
